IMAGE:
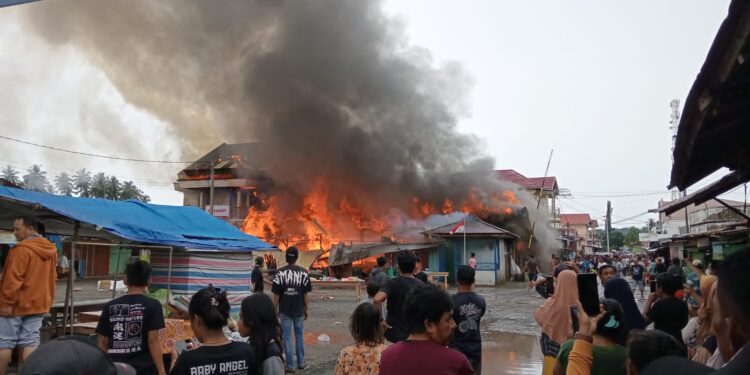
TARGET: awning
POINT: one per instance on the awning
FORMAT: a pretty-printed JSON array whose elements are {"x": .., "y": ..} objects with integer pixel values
[
  {"x": 707, "y": 193},
  {"x": 346, "y": 254},
  {"x": 125, "y": 221},
  {"x": 713, "y": 127}
]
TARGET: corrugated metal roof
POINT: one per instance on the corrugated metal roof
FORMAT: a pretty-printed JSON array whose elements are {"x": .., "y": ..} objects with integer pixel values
[
  {"x": 345, "y": 254},
  {"x": 474, "y": 226},
  {"x": 575, "y": 219}
]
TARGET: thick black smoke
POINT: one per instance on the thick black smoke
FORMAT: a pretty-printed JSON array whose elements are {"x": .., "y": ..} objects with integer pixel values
[{"x": 330, "y": 88}]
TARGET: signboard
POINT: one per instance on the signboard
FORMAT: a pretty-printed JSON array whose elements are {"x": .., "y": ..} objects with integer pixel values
[
  {"x": 221, "y": 211},
  {"x": 7, "y": 237}
]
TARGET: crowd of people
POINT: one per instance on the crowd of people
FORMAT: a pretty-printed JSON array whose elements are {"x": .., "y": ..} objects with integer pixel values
[{"x": 697, "y": 327}]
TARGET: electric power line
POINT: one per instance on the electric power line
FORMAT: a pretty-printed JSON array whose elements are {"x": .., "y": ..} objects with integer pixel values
[{"x": 93, "y": 155}]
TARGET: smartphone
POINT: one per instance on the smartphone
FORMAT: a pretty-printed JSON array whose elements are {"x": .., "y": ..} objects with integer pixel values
[
  {"x": 550, "y": 285},
  {"x": 180, "y": 346},
  {"x": 653, "y": 286},
  {"x": 588, "y": 293}
]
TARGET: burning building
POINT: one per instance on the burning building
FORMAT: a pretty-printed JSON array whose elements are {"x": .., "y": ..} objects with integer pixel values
[{"x": 348, "y": 229}]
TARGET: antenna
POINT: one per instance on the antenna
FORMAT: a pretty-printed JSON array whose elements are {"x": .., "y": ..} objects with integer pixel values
[{"x": 674, "y": 123}]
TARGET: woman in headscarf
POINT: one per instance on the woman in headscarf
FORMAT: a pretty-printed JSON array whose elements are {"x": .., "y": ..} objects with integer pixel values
[
  {"x": 705, "y": 339},
  {"x": 619, "y": 290},
  {"x": 556, "y": 319}
]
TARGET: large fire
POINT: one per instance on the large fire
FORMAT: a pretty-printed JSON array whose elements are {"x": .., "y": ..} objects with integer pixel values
[{"x": 321, "y": 220}]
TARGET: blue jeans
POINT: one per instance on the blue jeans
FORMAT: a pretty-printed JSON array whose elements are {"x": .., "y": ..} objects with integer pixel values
[
  {"x": 287, "y": 323},
  {"x": 22, "y": 331}
]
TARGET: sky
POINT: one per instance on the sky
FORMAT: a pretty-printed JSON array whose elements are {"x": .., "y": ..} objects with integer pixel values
[{"x": 591, "y": 80}]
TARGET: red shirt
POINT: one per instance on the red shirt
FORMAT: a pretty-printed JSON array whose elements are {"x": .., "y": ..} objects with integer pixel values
[{"x": 423, "y": 357}]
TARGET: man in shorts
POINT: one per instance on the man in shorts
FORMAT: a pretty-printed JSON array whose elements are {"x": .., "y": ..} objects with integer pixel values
[
  {"x": 639, "y": 271},
  {"x": 27, "y": 289}
]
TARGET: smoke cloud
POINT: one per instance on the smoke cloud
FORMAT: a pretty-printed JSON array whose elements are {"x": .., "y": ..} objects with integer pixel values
[{"x": 331, "y": 90}]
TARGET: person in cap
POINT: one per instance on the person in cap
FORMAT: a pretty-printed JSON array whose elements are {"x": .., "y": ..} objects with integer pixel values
[
  {"x": 72, "y": 355},
  {"x": 256, "y": 277},
  {"x": 290, "y": 288}
]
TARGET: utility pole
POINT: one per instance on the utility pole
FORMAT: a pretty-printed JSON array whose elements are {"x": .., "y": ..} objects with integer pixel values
[
  {"x": 674, "y": 123},
  {"x": 608, "y": 222}
]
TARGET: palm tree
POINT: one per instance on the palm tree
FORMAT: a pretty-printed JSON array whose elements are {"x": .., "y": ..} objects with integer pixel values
[
  {"x": 114, "y": 188},
  {"x": 82, "y": 183},
  {"x": 131, "y": 191},
  {"x": 64, "y": 184},
  {"x": 10, "y": 174},
  {"x": 98, "y": 187},
  {"x": 35, "y": 179}
]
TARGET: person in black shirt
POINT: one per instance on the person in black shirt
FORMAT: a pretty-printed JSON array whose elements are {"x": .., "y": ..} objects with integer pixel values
[
  {"x": 216, "y": 355},
  {"x": 468, "y": 309},
  {"x": 418, "y": 272},
  {"x": 129, "y": 326},
  {"x": 395, "y": 291},
  {"x": 668, "y": 313},
  {"x": 290, "y": 288},
  {"x": 256, "y": 277},
  {"x": 258, "y": 322}
]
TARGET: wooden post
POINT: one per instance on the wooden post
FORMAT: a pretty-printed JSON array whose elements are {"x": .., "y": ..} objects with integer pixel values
[{"x": 68, "y": 304}]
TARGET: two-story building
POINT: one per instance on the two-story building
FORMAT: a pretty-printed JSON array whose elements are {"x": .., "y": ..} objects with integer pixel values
[{"x": 580, "y": 229}]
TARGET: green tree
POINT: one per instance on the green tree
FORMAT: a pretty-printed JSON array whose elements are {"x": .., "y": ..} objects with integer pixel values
[
  {"x": 131, "y": 191},
  {"x": 35, "y": 179},
  {"x": 114, "y": 188},
  {"x": 616, "y": 240},
  {"x": 10, "y": 174},
  {"x": 82, "y": 183},
  {"x": 99, "y": 186},
  {"x": 64, "y": 184},
  {"x": 631, "y": 237}
]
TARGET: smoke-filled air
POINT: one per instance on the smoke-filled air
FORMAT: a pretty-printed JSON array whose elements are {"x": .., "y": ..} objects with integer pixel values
[{"x": 352, "y": 121}]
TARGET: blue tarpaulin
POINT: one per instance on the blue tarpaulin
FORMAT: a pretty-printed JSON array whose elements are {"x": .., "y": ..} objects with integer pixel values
[{"x": 131, "y": 220}]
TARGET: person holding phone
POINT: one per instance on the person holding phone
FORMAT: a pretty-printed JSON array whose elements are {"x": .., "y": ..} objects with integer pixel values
[
  {"x": 209, "y": 312},
  {"x": 555, "y": 318},
  {"x": 608, "y": 356}
]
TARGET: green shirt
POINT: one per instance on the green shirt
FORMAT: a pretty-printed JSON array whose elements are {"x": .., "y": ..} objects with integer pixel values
[{"x": 607, "y": 359}]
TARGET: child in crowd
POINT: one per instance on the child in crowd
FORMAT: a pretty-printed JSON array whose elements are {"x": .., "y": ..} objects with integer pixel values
[
  {"x": 468, "y": 309},
  {"x": 259, "y": 323},
  {"x": 209, "y": 312},
  {"x": 129, "y": 325},
  {"x": 363, "y": 358}
]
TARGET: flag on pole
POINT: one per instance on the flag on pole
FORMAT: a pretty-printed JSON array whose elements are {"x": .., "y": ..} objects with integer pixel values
[{"x": 459, "y": 228}]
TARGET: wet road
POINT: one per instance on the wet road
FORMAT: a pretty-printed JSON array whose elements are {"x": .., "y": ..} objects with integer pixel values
[{"x": 509, "y": 332}]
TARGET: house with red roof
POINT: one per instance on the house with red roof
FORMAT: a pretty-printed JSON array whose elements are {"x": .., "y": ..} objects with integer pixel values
[
  {"x": 579, "y": 233},
  {"x": 544, "y": 187}
]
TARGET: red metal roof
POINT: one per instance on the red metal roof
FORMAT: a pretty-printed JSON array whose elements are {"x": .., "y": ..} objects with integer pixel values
[
  {"x": 575, "y": 219},
  {"x": 547, "y": 183}
]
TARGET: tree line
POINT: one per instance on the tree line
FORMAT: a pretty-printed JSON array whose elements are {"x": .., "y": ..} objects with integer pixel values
[{"x": 82, "y": 183}]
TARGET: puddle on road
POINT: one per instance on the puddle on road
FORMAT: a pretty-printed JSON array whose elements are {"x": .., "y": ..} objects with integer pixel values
[{"x": 511, "y": 354}]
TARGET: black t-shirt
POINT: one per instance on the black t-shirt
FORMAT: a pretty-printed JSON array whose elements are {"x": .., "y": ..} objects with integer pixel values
[
  {"x": 290, "y": 284},
  {"x": 235, "y": 358},
  {"x": 127, "y": 321},
  {"x": 421, "y": 276},
  {"x": 660, "y": 268},
  {"x": 397, "y": 288},
  {"x": 670, "y": 315},
  {"x": 468, "y": 309},
  {"x": 257, "y": 279},
  {"x": 638, "y": 272}
]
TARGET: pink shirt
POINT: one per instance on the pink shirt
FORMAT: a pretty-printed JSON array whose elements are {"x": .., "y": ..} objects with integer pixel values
[{"x": 473, "y": 263}]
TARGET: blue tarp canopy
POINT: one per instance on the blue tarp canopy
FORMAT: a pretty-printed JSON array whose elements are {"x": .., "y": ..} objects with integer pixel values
[{"x": 126, "y": 221}]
